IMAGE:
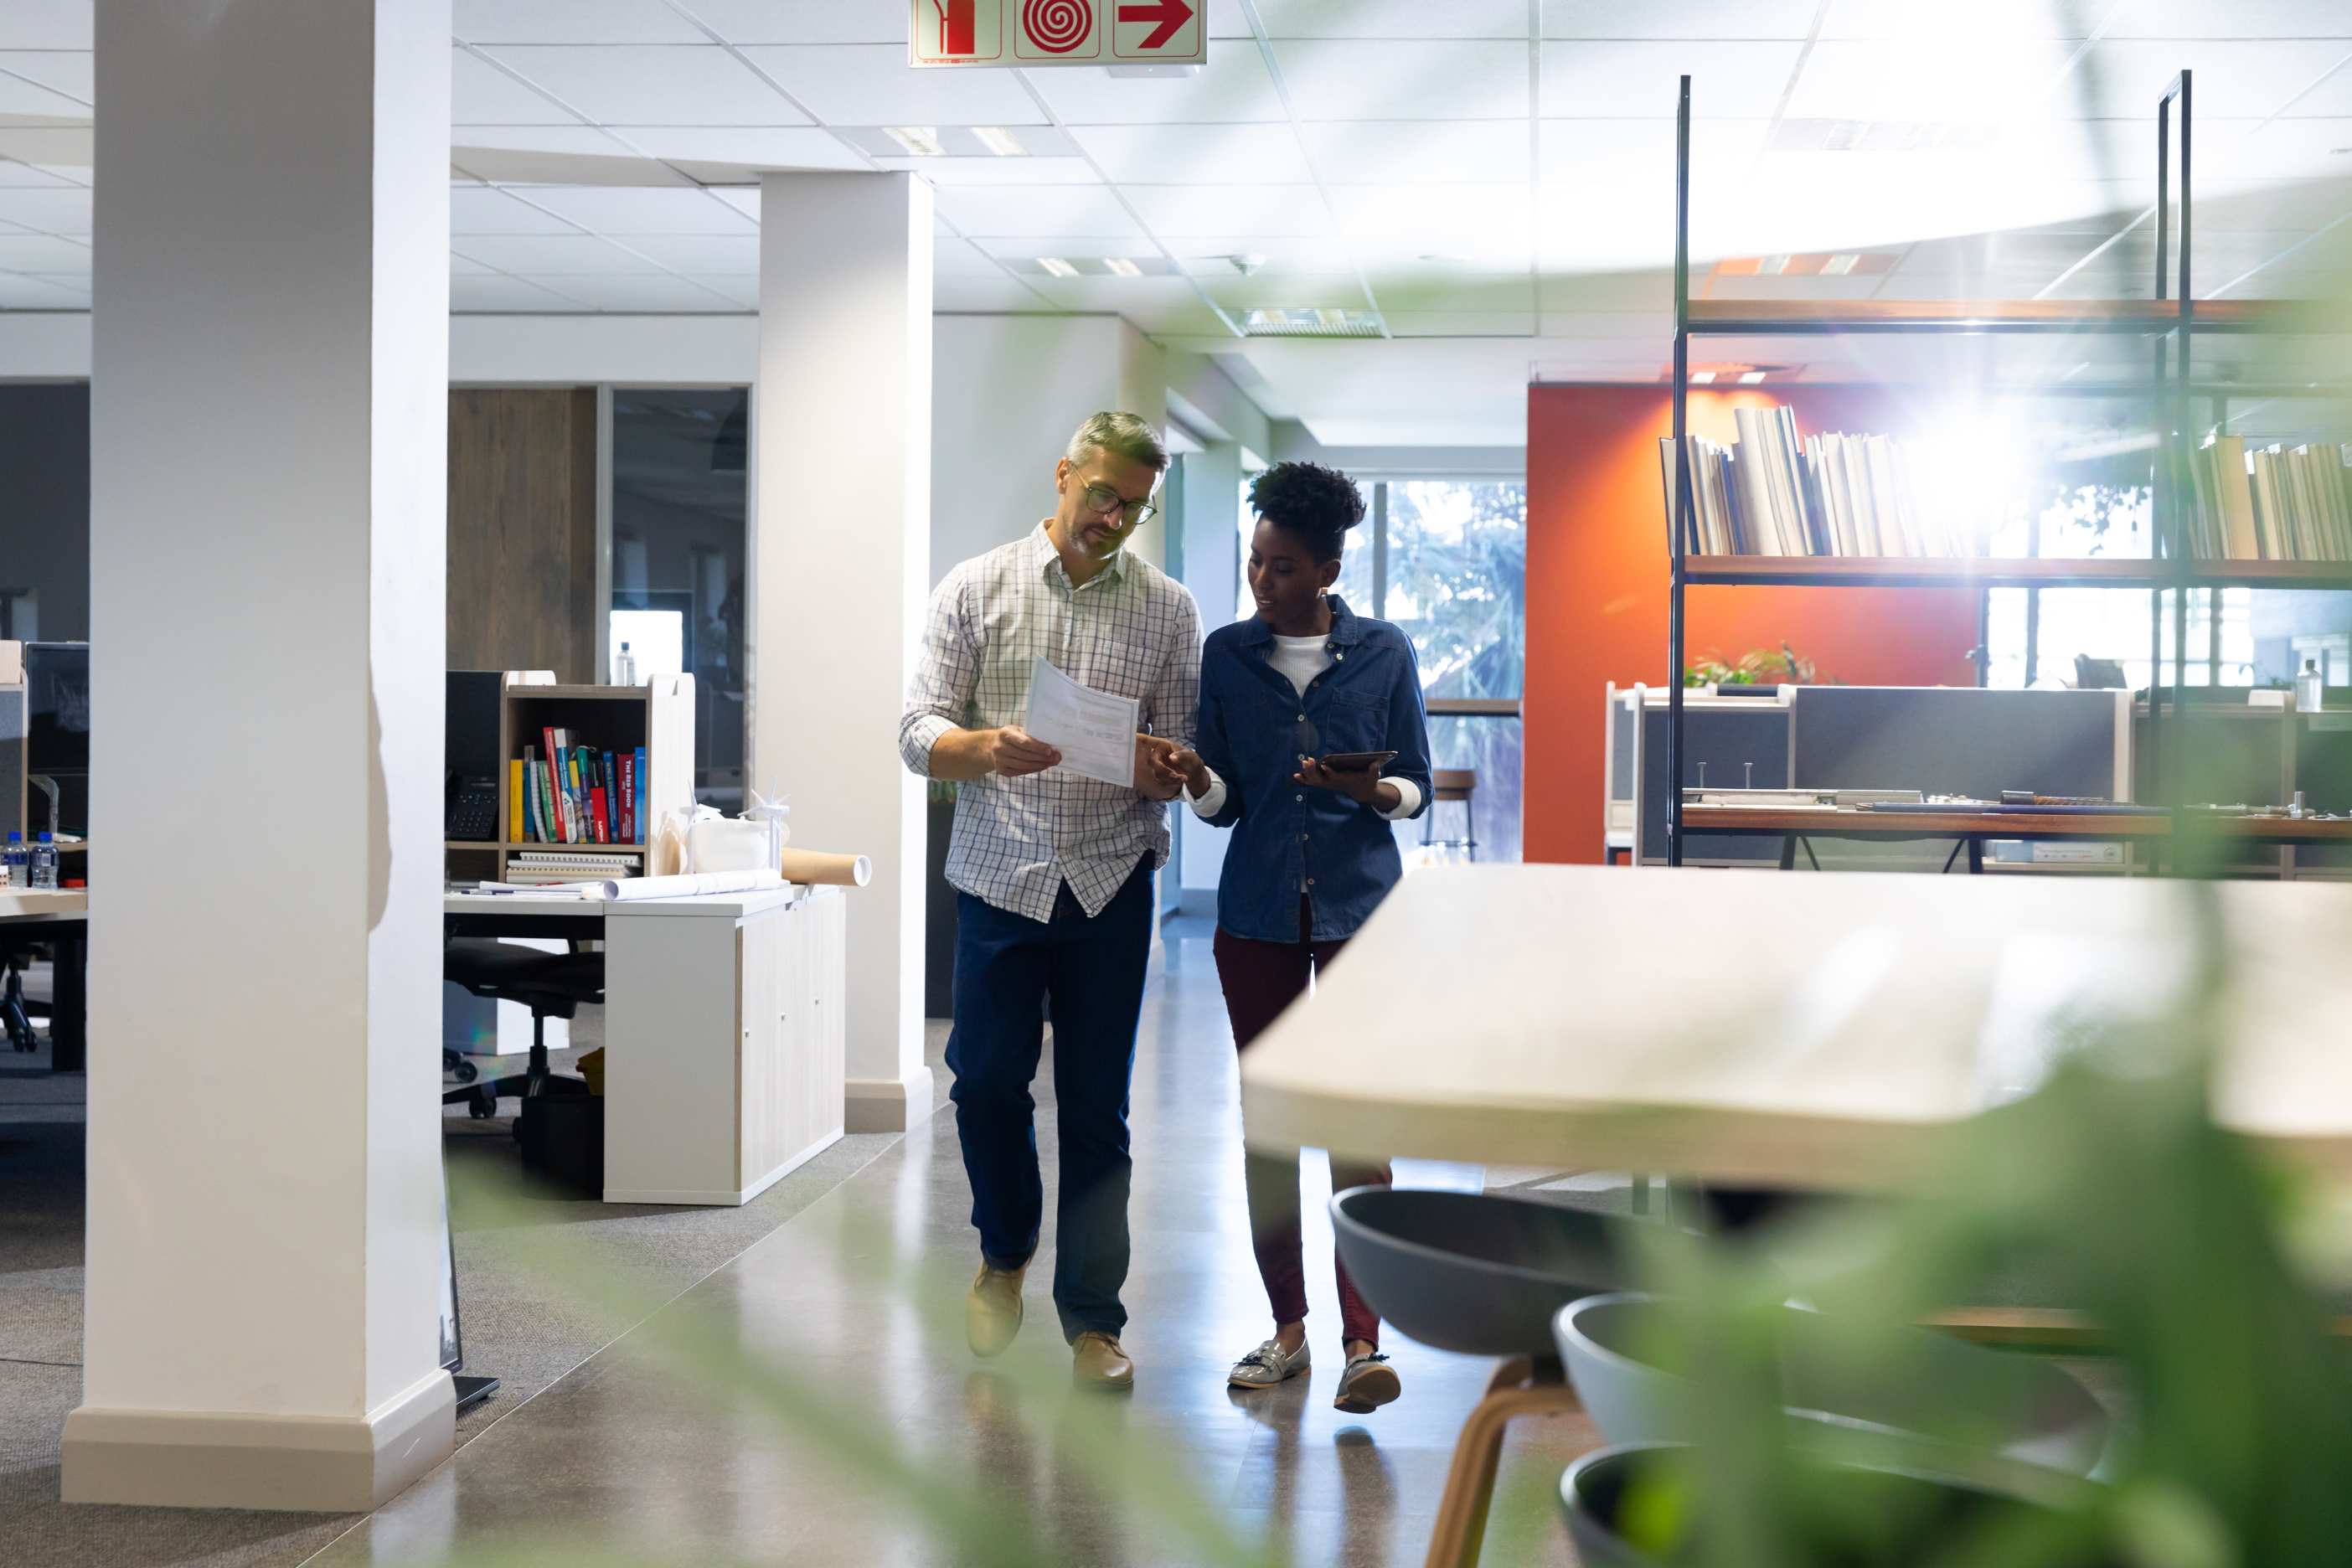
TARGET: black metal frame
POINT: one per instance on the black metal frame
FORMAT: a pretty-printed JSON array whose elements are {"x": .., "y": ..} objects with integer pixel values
[{"x": 2170, "y": 524}]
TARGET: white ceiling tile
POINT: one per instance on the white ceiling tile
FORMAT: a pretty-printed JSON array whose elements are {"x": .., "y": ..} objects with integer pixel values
[
  {"x": 42, "y": 253},
  {"x": 976, "y": 296},
  {"x": 50, "y": 211},
  {"x": 46, "y": 24},
  {"x": 19, "y": 292},
  {"x": 745, "y": 201},
  {"x": 619, "y": 210},
  {"x": 1495, "y": 323},
  {"x": 651, "y": 84},
  {"x": 66, "y": 72},
  {"x": 586, "y": 141},
  {"x": 870, "y": 84},
  {"x": 1206, "y": 253},
  {"x": 1338, "y": 289},
  {"x": 15, "y": 174},
  {"x": 1727, "y": 80},
  {"x": 1966, "y": 79},
  {"x": 51, "y": 145},
  {"x": 478, "y": 209},
  {"x": 1457, "y": 260},
  {"x": 1038, "y": 209},
  {"x": 1367, "y": 152},
  {"x": 960, "y": 258},
  {"x": 2331, "y": 97},
  {"x": 1336, "y": 78},
  {"x": 573, "y": 22},
  {"x": 2002, "y": 18},
  {"x": 549, "y": 255},
  {"x": 465, "y": 267},
  {"x": 804, "y": 21},
  {"x": 481, "y": 94},
  {"x": 1643, "y": 149},
  {"x": 1119, "y": 295},
  {"x": 493, "y": 293},
  {"x": 1394, "y": 19},
  {"x": 1435, "y": 210},
  {"x": 1700, "y": 19},
  {"x": 947, "y": 172},
  {"x": 653, "y": 291},
  {"x": 1233, "y": 88},
  {"x": 752, "y": 146},
  {"x": 1275, "y": 212},
  {"x": 1211, "y": 154},
  {"x": 1018, "y": 246},
  {"x": 736, "y": 289},
  {"x": 19, "y": 96},
  {"x": 2238, "y": 19},
  {"x": 728, "y": 255}
]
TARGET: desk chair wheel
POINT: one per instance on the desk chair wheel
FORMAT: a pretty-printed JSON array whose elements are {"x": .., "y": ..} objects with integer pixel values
[
  {"x": 484, "y": 1105},
  {"x": 12, "y": 1011}
]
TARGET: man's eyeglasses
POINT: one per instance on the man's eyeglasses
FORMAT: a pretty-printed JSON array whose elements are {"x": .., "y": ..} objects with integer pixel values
[{"x": 1100, "y": 498}]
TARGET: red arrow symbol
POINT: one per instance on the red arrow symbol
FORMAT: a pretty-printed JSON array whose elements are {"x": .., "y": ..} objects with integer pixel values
[{"x": 1169, "y": 14}]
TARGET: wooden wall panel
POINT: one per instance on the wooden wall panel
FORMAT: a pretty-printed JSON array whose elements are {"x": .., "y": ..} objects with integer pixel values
[{"x": 523, "y": 530}]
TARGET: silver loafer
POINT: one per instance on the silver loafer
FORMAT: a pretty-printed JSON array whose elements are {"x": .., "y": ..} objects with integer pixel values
[
  {"x": 1369, "y": 1383},
  {"x": 1267, "y": 1365}
]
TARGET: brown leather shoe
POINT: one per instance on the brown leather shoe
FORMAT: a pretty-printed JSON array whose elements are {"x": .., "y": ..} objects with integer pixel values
[
  {"x": 991, "y": 1308},
  {"x": 1101, "y": 1364}
]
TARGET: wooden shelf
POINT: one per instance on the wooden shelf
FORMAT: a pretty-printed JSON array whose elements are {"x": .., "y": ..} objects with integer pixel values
[
  {"x": 577, "y": 693},
  {"x": 1958, "y": 823},
  {"x": 1979, "y": 571},
  {"x": 1769, "y": 317}
]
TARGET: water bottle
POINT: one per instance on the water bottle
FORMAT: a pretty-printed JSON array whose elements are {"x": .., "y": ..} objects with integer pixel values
[
  {"x": 16, "y": 862},
  {"x": 44, "y": 862},
  {"x": 624, "y": 667},
  {"x": 2310, "y": 687}
]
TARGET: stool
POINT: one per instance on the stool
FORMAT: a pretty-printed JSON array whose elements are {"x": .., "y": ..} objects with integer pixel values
[
  {"x": 1485, "y": 1276},
  {"x": 1455, "y": 784}
]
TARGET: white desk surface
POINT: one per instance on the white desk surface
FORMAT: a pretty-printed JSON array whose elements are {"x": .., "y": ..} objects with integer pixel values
[
  {"x": 1800, "y": 1030},
  {"x": 43, "y": 903},
  {"x": 718, "y": 906}
]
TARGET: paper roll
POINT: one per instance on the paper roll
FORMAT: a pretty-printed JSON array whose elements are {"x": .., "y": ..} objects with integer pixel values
[{"x": 808, "y": 865}]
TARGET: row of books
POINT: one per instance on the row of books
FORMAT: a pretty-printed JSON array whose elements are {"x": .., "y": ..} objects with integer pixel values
[
  {"x": 1771, "y": 493},
  {"x": 2271, "y": 503},
  {"x": 538, "y": 867},
  {"x": 576, "y": 795}
]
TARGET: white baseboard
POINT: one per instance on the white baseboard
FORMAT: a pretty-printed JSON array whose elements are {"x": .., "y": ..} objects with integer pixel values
[
  {"x": 888, "y": 1104},
  {"x": 203, "y": 1458}
]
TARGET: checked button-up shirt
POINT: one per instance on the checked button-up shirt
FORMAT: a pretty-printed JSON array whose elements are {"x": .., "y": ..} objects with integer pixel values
[{"x": 1130, "y": 630}]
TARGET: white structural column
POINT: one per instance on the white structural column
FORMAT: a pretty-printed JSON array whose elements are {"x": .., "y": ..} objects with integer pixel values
[
  {"x": 841, "y": 544},
  {"x": 268, "y": 451}
]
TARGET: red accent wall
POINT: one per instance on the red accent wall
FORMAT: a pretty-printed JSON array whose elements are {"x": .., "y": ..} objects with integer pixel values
[{"x": 1597, "y": 589}]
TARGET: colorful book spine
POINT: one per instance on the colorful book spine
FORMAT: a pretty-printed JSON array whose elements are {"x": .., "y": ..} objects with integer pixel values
[
  {"x": 642, "y": 776},
  {"x": 554, "y": 754},
  {"x": 628, "y": 798},
  {"x": 514, "y": 800},
  {"x": 610, "y": 816},
  {"x": 530, "y": 791}
]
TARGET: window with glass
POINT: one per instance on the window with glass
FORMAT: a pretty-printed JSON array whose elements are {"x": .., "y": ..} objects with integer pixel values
[{"x": 680, "y": 503}]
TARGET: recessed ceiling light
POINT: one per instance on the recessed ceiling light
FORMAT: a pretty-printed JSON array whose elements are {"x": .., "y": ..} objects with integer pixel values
[
  {"x": 1310, "y": 321},
  {"x": 1838, "y": 265},
  {"x": 1750, "y": 377},
  {"x": 1771, "y": 266},
  {"x": 1057, "y": 267},
  {"x": 1443, "y": 256},
  {"x": 1701, "y": 378},
  {"x": 1001, "y": 142},
  {"x": 1122, "y": 266},
  {"x": 922, "y": 140}
]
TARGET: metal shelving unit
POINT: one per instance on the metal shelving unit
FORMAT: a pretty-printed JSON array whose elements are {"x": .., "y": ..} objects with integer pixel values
[{"x": 2171, "y": 321}]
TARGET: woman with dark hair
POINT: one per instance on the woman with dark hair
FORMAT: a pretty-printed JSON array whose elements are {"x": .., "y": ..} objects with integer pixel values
[{"x": 1312, "y": 854}]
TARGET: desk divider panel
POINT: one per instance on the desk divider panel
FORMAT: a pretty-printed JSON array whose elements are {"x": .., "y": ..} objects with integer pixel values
[{"x": 1962, "y": 740}]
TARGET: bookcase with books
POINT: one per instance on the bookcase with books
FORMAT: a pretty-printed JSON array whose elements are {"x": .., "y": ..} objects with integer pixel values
[
  {"x": 588, "y": 773},
  {"x": 2267, "y": 504}
]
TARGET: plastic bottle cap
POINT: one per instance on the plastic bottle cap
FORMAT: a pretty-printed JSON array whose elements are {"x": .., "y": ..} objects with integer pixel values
[{"x": 45, "y": 838}]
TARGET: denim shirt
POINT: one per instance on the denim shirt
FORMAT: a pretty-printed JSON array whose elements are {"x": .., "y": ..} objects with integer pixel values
[{"x": 1288, "y": 838}]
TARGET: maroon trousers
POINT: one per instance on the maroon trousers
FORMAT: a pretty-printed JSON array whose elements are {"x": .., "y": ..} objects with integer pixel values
[{"x": 1260, "y": 979}]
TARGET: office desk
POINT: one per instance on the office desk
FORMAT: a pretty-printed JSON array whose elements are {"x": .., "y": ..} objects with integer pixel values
[
  {"x": 1781, "y": 1031},
  {"x": 724, "y": 1031},
  {"x": 64, "y": 915},
  {"x": 1975, "y": 828}
]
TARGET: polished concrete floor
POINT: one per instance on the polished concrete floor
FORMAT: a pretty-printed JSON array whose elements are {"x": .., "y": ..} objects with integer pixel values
[{"x": 796, "y": 1388}]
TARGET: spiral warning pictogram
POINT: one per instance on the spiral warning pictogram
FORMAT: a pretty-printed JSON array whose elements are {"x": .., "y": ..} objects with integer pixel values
[{"x": 1057, "y": 27}]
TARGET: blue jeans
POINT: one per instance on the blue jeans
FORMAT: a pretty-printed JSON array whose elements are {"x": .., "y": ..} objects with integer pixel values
[{"x": 1007, "y": 966}]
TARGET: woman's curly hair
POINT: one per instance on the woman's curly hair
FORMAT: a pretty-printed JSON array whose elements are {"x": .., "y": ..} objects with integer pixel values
[{"x": 1316, "y": 504}]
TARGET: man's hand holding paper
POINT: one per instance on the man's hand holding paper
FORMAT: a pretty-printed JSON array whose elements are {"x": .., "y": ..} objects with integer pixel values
[{"x": 1094, "y": 731}]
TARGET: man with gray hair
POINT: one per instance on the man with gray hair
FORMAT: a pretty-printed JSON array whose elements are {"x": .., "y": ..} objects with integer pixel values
[{"x": 1053, "y": 873}]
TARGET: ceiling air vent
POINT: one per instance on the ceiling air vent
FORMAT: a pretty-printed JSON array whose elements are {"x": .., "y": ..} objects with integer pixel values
[{"x": 1310, "y": 321}]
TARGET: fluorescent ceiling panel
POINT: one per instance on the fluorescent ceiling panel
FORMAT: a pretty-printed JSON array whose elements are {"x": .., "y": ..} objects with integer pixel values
[
  {"x": 572, "y": 22},
  {"x": 1428, "y": 79},
  {"x": 651, "y": 84},
  {"x": 870, "y": 84}
]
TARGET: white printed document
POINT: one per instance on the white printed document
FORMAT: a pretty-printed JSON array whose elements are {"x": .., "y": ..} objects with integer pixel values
[{"x": 1094, "y": 730}]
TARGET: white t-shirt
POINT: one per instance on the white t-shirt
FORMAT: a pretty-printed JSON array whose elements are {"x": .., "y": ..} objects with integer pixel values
[{"x": 1299, "y": 660}]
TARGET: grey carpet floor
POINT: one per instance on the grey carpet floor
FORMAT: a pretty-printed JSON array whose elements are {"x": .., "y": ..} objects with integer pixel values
[{"x": 515, "y": 1329}]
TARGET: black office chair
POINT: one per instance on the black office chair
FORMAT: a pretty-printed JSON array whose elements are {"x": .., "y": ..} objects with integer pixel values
[{"x": 552, "y": 985}]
